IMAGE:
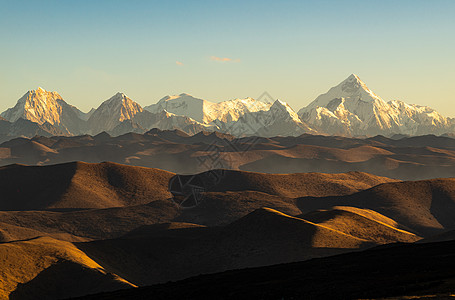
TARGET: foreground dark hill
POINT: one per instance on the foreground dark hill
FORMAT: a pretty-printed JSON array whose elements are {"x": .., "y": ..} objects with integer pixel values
[
  {"x": 399, "y": 271},
  {"x": 404, "y": 158},
  {"x": 163, "y": 252},
  {"x": 172, "y": 251}
]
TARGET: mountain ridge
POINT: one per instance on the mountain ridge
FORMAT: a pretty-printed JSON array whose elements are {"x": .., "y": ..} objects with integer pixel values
[
  {"x": 348, "y": 109},
  {"x": 352, "y": 109}
]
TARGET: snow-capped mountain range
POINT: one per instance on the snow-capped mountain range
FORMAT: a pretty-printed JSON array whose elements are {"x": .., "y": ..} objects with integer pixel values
[{"x": 349, "y": 109}]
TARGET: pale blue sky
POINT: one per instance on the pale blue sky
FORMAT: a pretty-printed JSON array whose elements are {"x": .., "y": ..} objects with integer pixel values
[{"x": 295, "y": 50}]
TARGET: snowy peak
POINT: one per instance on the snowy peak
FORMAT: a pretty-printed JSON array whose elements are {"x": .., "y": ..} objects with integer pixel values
[
  {"x": 112, "y": 112},
  {"x": 352, "y": 109},
  {"x": 183, "y": 104},
  {"x": 120, "y": 106},
  {"x": 352, "y": 89},
  {"x": 44, "y": 107},
  {"x": 38, "y": 106},
  {"x": 354, "y": 86},
  {"x": 283, "y": 110}
]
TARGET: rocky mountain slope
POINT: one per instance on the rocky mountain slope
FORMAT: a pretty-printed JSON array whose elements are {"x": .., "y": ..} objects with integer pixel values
[{"x": 40, "y": 106}]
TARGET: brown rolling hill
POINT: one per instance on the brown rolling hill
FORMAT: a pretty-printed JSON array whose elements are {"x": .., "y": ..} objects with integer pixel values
[
  {"x": 46, "y": 268},
  {"x": 9, "y": 233},
  {"x": 92, "y": 201},
  {"x": 425, "y": 207},
  {"x": 287, "y": 185},
  {"x": 77, "y": 201},
  {"x": 89, "y": 224},
  {"x": 362, "y": 223},
  {"x": 80, "y": 185}
]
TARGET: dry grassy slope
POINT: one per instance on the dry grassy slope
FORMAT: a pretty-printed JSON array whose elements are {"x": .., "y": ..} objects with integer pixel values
[
  {"x": 80, "y": 185},
  {"x": 10, "y": 233},
  {"x": 46, "y": 268},
  {"x": 115, "y": 185},
  {"x": 293, "y": 185},
  {"x": 269, "y": 224},
  {"x": 362, "y": 223},
  {"x": 222, "y": 208},
  {"x": 426, "y": 207}
]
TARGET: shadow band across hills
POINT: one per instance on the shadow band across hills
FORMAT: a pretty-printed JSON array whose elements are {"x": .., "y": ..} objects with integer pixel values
[{"x": 406, "y": 158}]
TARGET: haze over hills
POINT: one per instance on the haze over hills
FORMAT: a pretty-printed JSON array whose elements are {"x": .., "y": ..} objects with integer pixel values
[
  {"x": 405, "y": 158},
  {"x": 349, "y": 109}
]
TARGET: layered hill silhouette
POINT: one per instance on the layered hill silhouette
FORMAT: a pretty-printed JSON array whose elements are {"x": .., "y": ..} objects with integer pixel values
[
  {"x": 75, "y": 194},
  {"x": 116, "y": 226},
  {"x": 405, "y": 158}
]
